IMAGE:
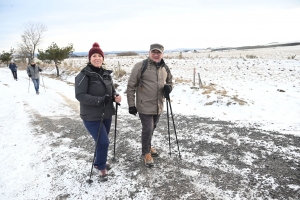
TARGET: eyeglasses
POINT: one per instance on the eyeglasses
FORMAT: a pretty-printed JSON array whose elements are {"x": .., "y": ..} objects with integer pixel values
[{"x": 155, "y": 52}]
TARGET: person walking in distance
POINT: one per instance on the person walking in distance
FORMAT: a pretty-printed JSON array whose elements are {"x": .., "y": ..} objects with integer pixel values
[
  {"x": 95, "y": 91},
  {"x": 13, "y": 67},
  {"x": 149, "y": 81},
  {"x": 33, "y": 72}
]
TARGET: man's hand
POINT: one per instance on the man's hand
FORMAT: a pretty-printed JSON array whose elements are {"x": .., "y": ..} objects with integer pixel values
[
  {"x": 167, "y": 91},
  {"x": 133, "y": 110}
]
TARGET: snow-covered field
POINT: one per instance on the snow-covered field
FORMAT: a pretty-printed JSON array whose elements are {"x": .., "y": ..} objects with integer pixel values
[{"x": 238, "y": 135}]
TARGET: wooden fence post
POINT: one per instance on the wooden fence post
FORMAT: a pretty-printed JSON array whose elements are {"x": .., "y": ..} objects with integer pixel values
[
  {"x": 194, "y": 77},
  {"x": 200, "y": 82}
]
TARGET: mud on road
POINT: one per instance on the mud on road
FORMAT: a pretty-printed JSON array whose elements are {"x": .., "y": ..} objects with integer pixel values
[{"x": 219, "y": 159}]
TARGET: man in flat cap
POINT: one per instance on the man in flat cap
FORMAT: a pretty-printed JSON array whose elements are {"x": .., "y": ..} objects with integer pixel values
[
  {"x": 33, "y": 72},
  {"x": 149, "y": 82}
]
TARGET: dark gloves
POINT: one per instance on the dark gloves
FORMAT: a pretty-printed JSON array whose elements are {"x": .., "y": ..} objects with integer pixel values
[
  {"x": 29, "y": 75},
  {"x": 132, "y": 110},
  {"x": 106, "y": 99},
  {"x": 40, "y": 70},
  {"x": 167, "y": 91}
]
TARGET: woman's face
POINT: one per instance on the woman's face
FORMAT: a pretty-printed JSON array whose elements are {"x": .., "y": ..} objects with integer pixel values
[{"x": 96, "y": 60}]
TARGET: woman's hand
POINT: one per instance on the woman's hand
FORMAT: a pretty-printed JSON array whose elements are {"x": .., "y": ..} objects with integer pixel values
[{"x": 117, "y": 98}]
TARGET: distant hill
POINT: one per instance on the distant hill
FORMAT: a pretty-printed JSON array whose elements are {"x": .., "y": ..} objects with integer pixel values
[
  {"x": 141, "y": 52},
  {"x": 273, "y": 44}
]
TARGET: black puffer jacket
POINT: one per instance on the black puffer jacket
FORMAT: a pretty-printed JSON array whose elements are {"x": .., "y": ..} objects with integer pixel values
[{"x": 90, "y": 89}]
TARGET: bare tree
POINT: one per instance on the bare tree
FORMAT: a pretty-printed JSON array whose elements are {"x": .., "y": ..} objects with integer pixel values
[
  {"x": 22, "y": 54},
  {"x": 31, "y": 39}
]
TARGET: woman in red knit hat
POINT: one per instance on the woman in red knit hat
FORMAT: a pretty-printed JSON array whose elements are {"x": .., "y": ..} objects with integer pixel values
[{"x": 95, "y": 91}]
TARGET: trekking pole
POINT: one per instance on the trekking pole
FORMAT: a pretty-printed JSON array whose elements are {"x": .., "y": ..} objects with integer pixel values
[
  {"x": 168, "y": 127},
  {"x": 43, "y": 82},
  {"x": 117, "y": 104},
  {"x": 168, "y": 99},
  {"x": 29, "y": 83},
  {"x": 96, "y": 144}
]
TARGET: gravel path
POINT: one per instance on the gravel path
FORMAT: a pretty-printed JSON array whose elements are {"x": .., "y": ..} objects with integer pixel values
[{"x": 219, "y": 159}]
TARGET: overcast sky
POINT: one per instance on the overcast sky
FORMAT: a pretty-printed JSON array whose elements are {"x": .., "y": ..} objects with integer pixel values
[{"x": 128, "y": 25}]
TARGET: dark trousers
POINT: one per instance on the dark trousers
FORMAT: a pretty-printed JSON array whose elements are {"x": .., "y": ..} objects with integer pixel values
[
  {"x": 149, "y": 123},
  {"x": 103, "y": 142},
  {"x": 14, "y": 74}
]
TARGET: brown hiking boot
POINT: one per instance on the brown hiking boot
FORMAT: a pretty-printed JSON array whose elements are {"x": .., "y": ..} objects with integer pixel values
[
  {"x": 148, "y": 160},
  {"x": 153, "y": 152}
]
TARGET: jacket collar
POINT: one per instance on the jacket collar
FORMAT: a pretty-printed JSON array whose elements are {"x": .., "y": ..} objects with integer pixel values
[
  {"x": 160, "y": 64},
  {"x": 89, "y": 72}
]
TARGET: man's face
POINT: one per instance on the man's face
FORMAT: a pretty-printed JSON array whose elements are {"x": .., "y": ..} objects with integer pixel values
[{"x": 156, "y": 55}]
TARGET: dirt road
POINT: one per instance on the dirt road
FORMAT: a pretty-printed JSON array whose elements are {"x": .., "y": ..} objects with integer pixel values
[{"x": 219, "y": 159}]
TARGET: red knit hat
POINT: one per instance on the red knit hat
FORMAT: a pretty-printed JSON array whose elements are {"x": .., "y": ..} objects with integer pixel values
[{"x": 95, "y": 49}]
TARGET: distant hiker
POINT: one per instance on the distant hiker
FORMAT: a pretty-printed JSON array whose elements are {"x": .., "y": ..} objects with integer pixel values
[
  {"x": 33, "y": 72},
  {"x": 149, "y": 80},
  {"x": 13, "y": 67},
  {"x": 95, "y": 91}
]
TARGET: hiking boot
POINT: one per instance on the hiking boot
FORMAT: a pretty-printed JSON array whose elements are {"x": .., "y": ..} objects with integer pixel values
[
  {"x": 153, "y": 152},
  {"x": 108, "y": 166},
  {"x": 148, "y": 160},
  {"x": 103, "y": 175}
]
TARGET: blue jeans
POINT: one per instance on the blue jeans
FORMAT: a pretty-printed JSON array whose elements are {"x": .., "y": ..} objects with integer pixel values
[
  {"x": 36, "y": 83},
  {"x": 103, "y": 143}
]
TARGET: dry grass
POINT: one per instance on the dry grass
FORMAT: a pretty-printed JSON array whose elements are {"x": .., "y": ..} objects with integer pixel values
[
  {"x": 119, "y": 73},
  {"x": 222, "y": 93},
  {"x": 181, "y": 80},
  {"x": 239, "y": 101},
  {"x": 209, "y": 89}
]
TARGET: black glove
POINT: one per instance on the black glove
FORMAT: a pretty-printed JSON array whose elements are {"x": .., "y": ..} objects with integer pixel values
[
  {"x": 132, "y": 110},
  {"x": 167, "y": 90},
  {"x": 106, "y": 99},
  {"x": 29, "y": 75},
  {"x": 40, "y": 70}
]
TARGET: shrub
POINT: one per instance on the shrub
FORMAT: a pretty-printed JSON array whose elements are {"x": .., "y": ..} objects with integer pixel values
[
  {"x": 127, "y": 53},
  {"x": 292, "y": 57},
  {"x": 251, "y": 56}
]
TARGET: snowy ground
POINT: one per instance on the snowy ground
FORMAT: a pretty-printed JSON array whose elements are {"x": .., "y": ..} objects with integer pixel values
[{"x": 238, "y": 135}]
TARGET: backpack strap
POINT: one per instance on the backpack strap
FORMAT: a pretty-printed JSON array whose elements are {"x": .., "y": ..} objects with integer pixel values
[
  {"x": 167, "y": 68},
  {"x": 143, "y": 69}
]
